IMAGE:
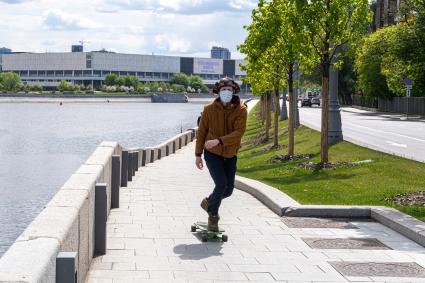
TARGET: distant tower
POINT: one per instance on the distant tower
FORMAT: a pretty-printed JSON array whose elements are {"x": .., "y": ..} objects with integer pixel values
[
  {"x": 220, "y": 53},
  {"x": 77, "y": 48},
  {"x": 4, "y": 50}
]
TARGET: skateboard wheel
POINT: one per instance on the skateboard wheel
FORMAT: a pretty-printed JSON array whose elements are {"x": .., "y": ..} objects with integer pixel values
[
  {"x": 224, "y": 238},
  {"x": 193, "y": 228},
  {"x": 204, "y": 238}
]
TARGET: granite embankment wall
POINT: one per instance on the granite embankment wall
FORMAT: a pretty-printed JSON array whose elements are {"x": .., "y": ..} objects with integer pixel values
[{"x": 67, "y": 223}]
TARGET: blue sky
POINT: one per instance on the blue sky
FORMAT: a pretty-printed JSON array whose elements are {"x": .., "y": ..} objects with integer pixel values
[{"x": 167, "y": 27}]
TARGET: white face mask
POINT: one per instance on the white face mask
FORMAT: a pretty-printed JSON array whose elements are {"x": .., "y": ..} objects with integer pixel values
[{"x": 226, "y": 95}]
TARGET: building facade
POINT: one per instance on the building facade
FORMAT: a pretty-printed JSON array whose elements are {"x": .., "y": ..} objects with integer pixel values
[
  {"x": 91, "y": 68},
  {"x": 385, "y": 13},
  {"x": 4, "y": 50},
  {"x": 220, "y": 53}
]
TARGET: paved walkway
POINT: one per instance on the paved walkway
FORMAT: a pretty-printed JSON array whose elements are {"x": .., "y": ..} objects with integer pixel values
[{"x": 149, "y": 238}]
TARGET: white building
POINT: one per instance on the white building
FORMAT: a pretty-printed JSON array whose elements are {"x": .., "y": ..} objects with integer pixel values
[{"x": 48, "y": 69}]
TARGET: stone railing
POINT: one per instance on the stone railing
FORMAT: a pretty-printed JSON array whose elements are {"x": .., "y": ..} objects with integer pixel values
[{"x": 59, "y": 245}]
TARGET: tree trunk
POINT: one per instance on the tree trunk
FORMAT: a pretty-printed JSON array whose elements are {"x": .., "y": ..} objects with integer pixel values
[
  {"x": 268, "y": 116},
  {"x": 276, "y": 117},
  {"x": 291, "y": 120},
  {"x": 324, "y": 156},
  {"x": 261, "y": 114}
]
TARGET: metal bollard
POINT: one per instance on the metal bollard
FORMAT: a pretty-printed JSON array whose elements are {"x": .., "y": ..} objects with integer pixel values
[
  {"x": 66, "y": 267},
  {"x": 124, "y": 168},
  {"x": 174, "y": 146},
  {"x": 136, "y": 168},
  {"x": 144, "y": 157},
  {"x": 115, "y": 182},
  {"x": 167, "y": 149},
  {"x": 152, "y": 155},
  {"x": 185, "y": 140},
  {"x": 159, "y": 153},
  {"x": 130, "y": 166},
  {"x": 100, "y": 217},
  {"x": 180, "y": 142}
]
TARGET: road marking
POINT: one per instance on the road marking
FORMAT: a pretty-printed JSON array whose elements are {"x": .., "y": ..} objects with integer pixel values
[
  {"x": 312, "y": 115},
  {"x": 385, "y": 132},
  {"x": 396, "y": 144}
]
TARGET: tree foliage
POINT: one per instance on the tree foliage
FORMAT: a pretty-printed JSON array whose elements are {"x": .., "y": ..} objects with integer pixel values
[
  {"x": 180, "y": 79},
  {"x": 391, "y": 54},
  {"x": 10, "y": 81},
  {"x": 275, "y": 43},
  {"x": 111, "y": 79}
]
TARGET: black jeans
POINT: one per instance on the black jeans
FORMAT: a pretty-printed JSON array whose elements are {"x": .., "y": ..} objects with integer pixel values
[{"x": 223, "y": 172}]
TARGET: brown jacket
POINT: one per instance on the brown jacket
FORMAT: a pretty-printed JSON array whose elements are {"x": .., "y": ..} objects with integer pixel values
[{"x": 227, "y": 124}]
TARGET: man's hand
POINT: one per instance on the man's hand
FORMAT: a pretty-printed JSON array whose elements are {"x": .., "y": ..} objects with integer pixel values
[
  {"x": 211, "y": 143},
  {"x": 198, "y": 162}
]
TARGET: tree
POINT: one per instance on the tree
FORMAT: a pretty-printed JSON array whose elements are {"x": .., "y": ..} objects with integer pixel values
[
  {"x": 131, "y": 81},
  {"x": 111, "y": 79},
  {"x": 368, "y": 64},
  {"x": 180, "y": 79},
  {"x": 10, "y": 81},
  {"x": 196, "y": 82},
  {"x": 63, "y": 86},
  {"x": 275, "y": 43},
  {"x": 119, "y": 81},
  {"x": 391, "y": 54},
  {"x": 331, "y": 24},
  {"x": 260, "y": 68}
]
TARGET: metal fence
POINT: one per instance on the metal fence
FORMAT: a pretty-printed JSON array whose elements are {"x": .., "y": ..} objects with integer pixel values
[
  {"x": 364, "y": 101},
  {"x": 411, "y": 105}
]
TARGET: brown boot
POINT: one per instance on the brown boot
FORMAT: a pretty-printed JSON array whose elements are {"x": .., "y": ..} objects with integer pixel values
[
  {"x": 204, "y": 204},
  {"x": 213, "y": 222}
]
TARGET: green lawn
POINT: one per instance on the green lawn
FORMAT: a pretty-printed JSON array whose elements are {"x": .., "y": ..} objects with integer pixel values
[{"x": 366, "y": 184}]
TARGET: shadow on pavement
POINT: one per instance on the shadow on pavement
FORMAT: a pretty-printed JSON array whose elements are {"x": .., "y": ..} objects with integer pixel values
[{"x": 198, "y": 251}]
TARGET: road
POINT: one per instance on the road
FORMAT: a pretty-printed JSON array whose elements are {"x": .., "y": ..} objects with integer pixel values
[{"x": 380, "y": 131}]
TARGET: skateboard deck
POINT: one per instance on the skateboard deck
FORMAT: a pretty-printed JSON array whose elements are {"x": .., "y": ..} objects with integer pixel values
[{"x": 207, "y": 234}]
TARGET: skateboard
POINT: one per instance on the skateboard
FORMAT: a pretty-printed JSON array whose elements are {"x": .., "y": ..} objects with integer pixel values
[{"x": 207, "y": 234}]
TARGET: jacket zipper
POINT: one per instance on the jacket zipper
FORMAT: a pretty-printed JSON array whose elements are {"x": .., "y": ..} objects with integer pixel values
[{"x": 225, "y": 132}]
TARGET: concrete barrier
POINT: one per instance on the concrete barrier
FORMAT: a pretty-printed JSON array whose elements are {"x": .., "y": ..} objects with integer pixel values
[
  {"x": 283, "y": 205},
  {"x": 65, "y": 225},
  {"x": 67, "y": 222}
]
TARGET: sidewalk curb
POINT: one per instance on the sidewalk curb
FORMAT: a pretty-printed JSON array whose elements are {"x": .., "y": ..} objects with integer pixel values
[
  {"x": 283, "y": 205},
  {"x": 274, "y": 199}
]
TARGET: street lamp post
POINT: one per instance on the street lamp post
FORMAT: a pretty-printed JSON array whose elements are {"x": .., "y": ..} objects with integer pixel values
[
  {"x": 283, "y": 110},
  {"x": 297, "y": 76},
  {"x": 335, "y": 125}
]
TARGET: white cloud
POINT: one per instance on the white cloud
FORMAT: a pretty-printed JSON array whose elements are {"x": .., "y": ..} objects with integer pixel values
[
  {"x": 172, "y": 43},
  {"x": 55, "y": 25},
  {"x": 14, "y": 1},
  {"x": 58, "y": 20},
  {"x": 189, "y": 7}
]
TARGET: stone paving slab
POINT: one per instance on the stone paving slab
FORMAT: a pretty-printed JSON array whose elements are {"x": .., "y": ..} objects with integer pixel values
[
  {"x": 313, "y": 222},
  {"x": 341, "y": 243},
  {"x": 149, "y": 238}
]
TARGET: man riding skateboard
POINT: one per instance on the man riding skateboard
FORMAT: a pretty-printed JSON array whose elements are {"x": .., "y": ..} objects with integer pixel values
[{"x": 222, "y": 125}]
